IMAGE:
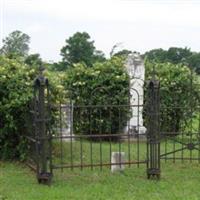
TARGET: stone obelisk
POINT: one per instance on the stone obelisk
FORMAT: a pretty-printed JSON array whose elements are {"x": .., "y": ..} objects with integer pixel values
[{"x": 136, "y": 71}]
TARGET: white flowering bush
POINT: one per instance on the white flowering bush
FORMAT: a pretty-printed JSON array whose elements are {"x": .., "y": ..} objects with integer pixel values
[{"x": 16, "y": 91}]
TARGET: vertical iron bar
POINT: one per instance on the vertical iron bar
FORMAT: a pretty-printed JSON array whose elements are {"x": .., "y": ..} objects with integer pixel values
[
  {"x": 138, "y": 130},
  {"x": 191, "y": 111},
  {"x": 153, "y": 136},
  {"x": 119, "y": 121},
  {"x": 129, "y": 151},
  {"x": 61, "y": 131},
  {"x": 198, "y": 136},
  {"x": 90, "y": 132},
  {"x": 81, "y": 142},
  {"x": 110, "y": 137},
  {"x": 44, "y": 139},
  {"x": 49, "y": 130},
  {"x": 100, "y": 116},
  {"x": 71, "y": 131}
]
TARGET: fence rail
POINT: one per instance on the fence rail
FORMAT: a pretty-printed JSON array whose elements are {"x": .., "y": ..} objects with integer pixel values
[{"x": 72, "y": 136}]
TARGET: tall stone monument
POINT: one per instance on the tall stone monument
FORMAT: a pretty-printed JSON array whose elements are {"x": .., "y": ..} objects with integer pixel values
[{"x": 136, "y": 70}]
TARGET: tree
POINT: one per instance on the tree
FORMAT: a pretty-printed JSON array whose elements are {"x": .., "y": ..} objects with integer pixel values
[
  {"x": 15, "y": 44},
  {"x": 99, "y": 56},
  {"x": 173, "y": 55},
  {"x": 33, "y": 60},
  {"x": 123, "y": 53},
  {"x": 178, "y": 55},
  {"x": 194, "y": 62},
  {"x": 157, "y": 55},
  {"x": 78, "y": 48}
]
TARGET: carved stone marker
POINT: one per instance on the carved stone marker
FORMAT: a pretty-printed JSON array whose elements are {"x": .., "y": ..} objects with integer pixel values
[
  {"x": 118, "y": 158},
  {"x": 136, "y": 71}
]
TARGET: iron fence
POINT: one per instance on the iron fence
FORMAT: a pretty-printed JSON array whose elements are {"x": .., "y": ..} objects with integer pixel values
[
  {"x": 72, "y": 136},
  {"x": 91, "y": 145}
]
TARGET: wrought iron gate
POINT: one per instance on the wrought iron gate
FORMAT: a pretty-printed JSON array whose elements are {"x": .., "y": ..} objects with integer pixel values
[
  {"x": 180, "y": 123},
  {"x": 85, "y": 136}
]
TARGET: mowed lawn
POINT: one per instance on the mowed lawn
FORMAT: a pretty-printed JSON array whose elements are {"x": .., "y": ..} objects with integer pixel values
[{"x": 178, "y": 181}]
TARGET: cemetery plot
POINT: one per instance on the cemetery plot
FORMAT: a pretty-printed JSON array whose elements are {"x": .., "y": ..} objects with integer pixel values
[{"x": 95, "y": 134}]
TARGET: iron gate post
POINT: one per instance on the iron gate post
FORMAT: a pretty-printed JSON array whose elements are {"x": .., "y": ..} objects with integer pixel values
[
  {"x": 43, "y": 144},
  {"x": 153, "y": 129}
]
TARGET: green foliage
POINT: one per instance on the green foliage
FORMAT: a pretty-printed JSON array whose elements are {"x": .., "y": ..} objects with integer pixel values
[
  {"x": 15, "y": 44},
  {"x": 156, "y": 55},
  {"x": 179, "y": 93},
  {"x": 104, "y": 84},
  {"x": 59, "y": 66},
  {"x": 123, "y": 53},
  {"x": 79, "y": 48},
  {"x": 33, "y": 60},
  {"x": 174, "y": 55},
  {"x": 178, "y": 55},
  {"x": 194, "y": 62},
  {"x": 15, "y": 93},
  {"x": 56, "y": 82},
  {"x": 98, "y": 56}
]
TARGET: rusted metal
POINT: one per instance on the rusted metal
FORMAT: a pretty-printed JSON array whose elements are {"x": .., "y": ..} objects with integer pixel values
[
  {"x": 102, "y": 124},
  {"x": 181, "y": 141},
  {"x": 153, "y": 131},
  {"x": 40, "y": 149},
  {"x": 98, "y": 164}
]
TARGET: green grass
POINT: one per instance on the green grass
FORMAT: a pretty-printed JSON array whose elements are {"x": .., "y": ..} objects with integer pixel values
[
  {"x": 95, "y": 152},
  {"x": 178, "y": 181},
  {"x": 91, "y": 152}
]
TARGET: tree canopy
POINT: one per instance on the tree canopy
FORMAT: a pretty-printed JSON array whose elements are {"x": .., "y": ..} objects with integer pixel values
[
  {"x": 122, "y": 53},
  {"x": 80, "y": 48},
  {"x": 16, "y": 44},
  {"x": 33, "y": 60},
  {"x": 175, "y": 55}
]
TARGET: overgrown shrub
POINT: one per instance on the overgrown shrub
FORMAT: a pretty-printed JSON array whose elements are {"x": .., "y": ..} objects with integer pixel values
[
  {"x": 16, "y": 92},
  {"x": 95, "y": 93},
  {"x": 179, "y": 95}
]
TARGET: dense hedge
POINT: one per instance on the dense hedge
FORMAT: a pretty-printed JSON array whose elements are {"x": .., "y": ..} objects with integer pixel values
[
  {"x": 179, "y": 95},
  {"x": 104, "y": 84},
  {"x": 15, "y": 92}
]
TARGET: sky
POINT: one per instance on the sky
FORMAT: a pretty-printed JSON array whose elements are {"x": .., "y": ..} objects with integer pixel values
[{"x": 137, "y": 25}]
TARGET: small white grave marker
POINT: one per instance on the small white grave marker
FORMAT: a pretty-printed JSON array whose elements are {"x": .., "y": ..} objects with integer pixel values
[{"x": 118, "y": 158}]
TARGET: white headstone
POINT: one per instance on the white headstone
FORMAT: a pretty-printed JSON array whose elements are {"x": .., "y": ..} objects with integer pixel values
[
  {"x": 117, "y": 160},
  {"x": 136, "y": 71}
]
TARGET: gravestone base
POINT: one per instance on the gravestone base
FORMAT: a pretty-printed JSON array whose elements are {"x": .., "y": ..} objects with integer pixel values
[{"x": 134, "y": 135}]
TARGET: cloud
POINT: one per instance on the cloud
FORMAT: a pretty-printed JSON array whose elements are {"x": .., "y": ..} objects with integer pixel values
[
  {"x": 139, "y": 24},
  {"x": 113, "y": 10},
  {"x": 34, "y": 28}
]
